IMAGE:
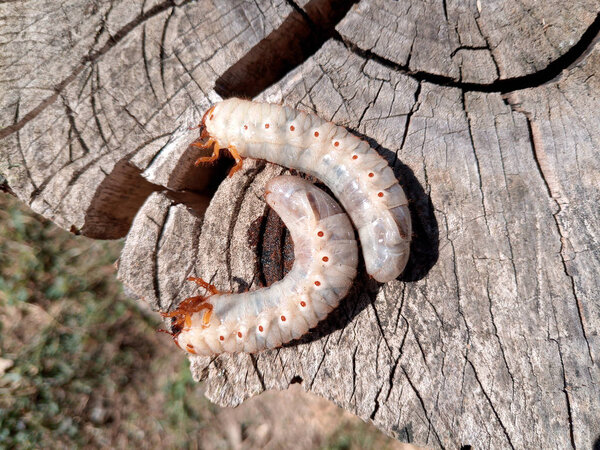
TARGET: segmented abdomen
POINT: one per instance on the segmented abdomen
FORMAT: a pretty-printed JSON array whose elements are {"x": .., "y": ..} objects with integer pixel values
[
  {"x": 326, "y": 257},
  {"x": 356, "y": 174}
]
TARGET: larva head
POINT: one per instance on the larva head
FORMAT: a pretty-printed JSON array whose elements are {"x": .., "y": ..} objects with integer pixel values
[
  {"x": 183, "y": 314},
  {"x": 224, "y": 119},
  {"x": 294, "y": 198},
  {"x": 280, "y": 193},
  {"x": 207, "y": 115}
]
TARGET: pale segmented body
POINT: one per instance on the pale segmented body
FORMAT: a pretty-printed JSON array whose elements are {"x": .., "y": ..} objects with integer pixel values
[
  {"x": 326, "y": 258},
  {"x": 356, "y": 174}
]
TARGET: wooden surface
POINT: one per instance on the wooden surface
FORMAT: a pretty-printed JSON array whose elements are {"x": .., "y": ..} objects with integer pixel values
[{"x": 488, "y": 112}]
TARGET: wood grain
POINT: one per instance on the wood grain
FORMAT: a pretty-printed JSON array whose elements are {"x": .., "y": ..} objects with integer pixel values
[{"x": 488, "y": 114}]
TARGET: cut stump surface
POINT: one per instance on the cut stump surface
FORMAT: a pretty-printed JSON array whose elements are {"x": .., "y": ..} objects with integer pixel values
[{"x": 489, "y": 114}]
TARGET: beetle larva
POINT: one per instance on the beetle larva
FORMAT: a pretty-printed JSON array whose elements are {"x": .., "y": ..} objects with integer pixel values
[
  {"x": 326, "y": 257},
  {"x": 356, "y": 174}
]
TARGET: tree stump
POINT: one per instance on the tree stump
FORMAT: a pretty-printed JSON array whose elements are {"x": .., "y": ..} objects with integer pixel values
[{"x": 489, "y": 115}]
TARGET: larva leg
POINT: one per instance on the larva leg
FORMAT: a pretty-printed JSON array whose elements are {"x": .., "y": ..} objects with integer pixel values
[
  {"x": 210, "y": 142},
  {"x": 325, "y": 265},
  {"x": 238, "y": 160},
  {"x": 188, "y": 317},
  {"x": 215, "y": 155},
  {"x": 356, "y": 174},
  {"x": 183, "y": 313},
  {"x": 211, "y": 158},
  {"x": 209, "y": 287},
  {"x": 207, "y": 316}
]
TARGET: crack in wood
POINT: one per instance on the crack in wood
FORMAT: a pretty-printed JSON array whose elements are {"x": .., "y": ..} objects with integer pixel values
[
  {"x": 251, "y": 175},
  {"x": 567, "y": 397},
  {"x": 300, "y": 35},
  {"x": 476, "y": 157},
  {"x": 91, "y": 58},
  {"x": 161, "y": 232},
  {"x": 552, "y": 188},
  {"x": 422, "y": 403},
  {"x": 163, "y": 55},
  {"x": 491, "y": 404},
  {"x": 504, "y": 85}
]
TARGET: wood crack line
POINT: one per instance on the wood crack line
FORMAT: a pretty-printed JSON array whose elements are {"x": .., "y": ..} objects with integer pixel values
[
  {"x": 489, "y": 400},
  {"x": 553, "y": 189},
  {"x": 422, "y": 403},
  {"x": 503, "y": 86},
  {"x": 90, "y": 59}
]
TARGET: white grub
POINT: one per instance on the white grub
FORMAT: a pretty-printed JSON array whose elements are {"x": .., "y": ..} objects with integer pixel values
[
  {"x": 356, "y": 174},
  {"x": 326, "y": 257}
]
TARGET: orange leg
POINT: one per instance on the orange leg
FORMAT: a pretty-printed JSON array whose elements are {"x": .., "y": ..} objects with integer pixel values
[
  {"x": 209, "y": 287},
  {"x": 186, "y": 306},
  {"x": 190, "y": 348},
  {"x": 209, "y": 143},
  {"x": 211, "y": 158},
  {"x": 215, "y": 155},
  {"x": 206, "y": 317},
  {"x": 183, "y": 314},
  {"x": 176, "y": 340},
  {"x": 188, "y": 316},
  {"x": 238, "y": 160}
]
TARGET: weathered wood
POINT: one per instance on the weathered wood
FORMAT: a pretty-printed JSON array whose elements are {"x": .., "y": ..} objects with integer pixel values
[
  {"x": 91, "y": 88},
  {"x": 470, "y": 41},
  {"x": 490, "y": 338}
]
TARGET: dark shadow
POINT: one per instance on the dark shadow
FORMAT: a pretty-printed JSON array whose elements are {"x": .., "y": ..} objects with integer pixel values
[
  {"x": 596, "y": 445},
  {"x": 275, "y": 253},
  {"x": 404, "y": 434},
  {"x": 194, "y": 185},
  {"x": 116, "y": 201},
  {"x": 505, "y": 85},
  {"x": 4, "y": 187},
  {"x": 424, "y": 247},
  {"x": 300, "y": 35},
  {"x": 297, "y": 379},
  {"x": 124, "y": 190}
]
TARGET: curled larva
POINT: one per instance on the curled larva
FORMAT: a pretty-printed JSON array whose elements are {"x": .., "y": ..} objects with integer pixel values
[
  {"x": 326, "y": 257},
  {"x": 356, "y": 174}
]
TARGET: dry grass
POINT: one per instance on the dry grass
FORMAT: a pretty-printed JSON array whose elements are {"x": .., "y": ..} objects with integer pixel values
[{"x": 81, "y": 365}]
